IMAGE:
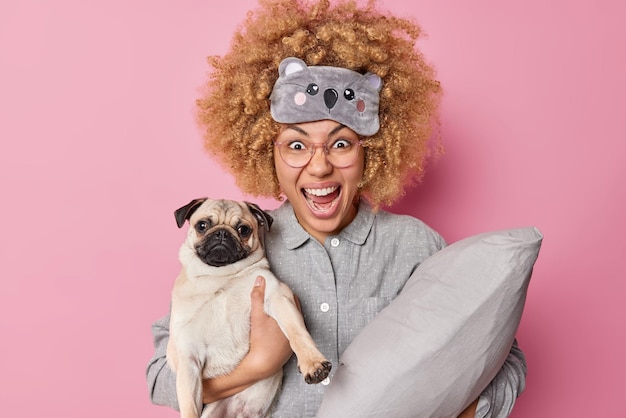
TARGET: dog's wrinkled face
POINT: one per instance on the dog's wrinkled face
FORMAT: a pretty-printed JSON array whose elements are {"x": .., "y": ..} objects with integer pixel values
[{"x": 223, "y": 232}]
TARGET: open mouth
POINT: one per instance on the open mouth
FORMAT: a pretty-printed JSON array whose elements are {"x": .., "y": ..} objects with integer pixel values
[{"x": 322, "y": 201}]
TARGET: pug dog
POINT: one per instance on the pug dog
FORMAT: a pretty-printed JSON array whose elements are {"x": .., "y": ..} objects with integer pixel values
[{"x": 210, "y": 308}]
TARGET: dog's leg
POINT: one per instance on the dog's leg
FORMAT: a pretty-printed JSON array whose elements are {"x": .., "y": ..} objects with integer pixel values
[
  {"x": 280, "y": 305},
  {"x": 189, "y": 387}
]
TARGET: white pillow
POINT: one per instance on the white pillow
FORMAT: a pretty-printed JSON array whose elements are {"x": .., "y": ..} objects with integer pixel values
[{"x": 435, "y": 348}]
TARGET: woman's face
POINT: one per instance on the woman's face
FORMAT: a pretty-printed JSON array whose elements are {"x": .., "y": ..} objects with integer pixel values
[{"x": 323, "y": 196}]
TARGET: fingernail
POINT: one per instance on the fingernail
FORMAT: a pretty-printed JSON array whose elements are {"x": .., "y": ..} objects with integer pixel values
[{"x": 258, "y": 281}]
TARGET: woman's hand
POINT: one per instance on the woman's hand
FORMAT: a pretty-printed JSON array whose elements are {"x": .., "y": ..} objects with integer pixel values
[
  {"x": 269, "y": 348},
  {"x": 269, "y": 351}
]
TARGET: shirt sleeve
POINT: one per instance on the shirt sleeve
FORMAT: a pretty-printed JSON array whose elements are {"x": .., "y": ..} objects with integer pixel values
[
  {"x": 498, "y": 398},
  {"x": 160, "y": 377}
]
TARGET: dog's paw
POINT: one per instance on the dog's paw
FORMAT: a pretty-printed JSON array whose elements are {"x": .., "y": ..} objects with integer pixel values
[{"x": 318, "y": 373}]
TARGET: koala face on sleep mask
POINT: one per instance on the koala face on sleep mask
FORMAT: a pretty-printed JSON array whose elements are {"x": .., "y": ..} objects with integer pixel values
[{"x": 307, "y": 94}]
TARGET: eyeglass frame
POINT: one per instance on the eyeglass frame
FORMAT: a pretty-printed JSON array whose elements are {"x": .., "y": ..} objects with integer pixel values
[{"x": 314, "y": 147}]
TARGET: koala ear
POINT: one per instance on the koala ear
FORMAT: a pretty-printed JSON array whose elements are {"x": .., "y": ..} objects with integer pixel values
[
  {"x": 290, "y": 65},
  {"x": 184, "y": 213},
  {"x": 263, "y": 218},
  {"x": 375, "y": 81}
]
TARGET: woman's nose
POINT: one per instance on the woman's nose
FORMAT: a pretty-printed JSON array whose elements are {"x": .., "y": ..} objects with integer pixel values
[{"x": 319, "y": 164}]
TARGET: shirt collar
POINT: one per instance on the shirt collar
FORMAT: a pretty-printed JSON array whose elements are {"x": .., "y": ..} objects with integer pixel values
[
  {"x": 293, "y": 235},
  {"x": 359, "y": 229}
]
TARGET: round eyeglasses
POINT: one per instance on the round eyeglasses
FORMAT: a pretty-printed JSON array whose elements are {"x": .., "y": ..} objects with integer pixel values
[{"x": 340, "y": 153}]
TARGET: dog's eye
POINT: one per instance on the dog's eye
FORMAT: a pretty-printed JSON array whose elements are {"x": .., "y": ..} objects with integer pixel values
[
  {"x": 244, "y": 231},
  {"x": 202, "y": 226}
]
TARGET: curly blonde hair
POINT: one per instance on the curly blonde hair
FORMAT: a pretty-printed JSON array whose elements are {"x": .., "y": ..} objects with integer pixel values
[{"x": 234, "y": 111}]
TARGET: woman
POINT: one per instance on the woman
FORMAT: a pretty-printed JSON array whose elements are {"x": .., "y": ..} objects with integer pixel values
[{"x": 343, "y": 256}]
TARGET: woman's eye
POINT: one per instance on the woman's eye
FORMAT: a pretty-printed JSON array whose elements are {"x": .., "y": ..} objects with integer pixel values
[
  {"x": 244, "y": 231},
  {"x": 297, "y": 146},
  {"x": 342, "y": 143}
]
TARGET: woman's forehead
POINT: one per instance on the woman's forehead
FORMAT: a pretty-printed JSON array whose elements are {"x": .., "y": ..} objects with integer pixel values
[{"x": 326, "y": 127}]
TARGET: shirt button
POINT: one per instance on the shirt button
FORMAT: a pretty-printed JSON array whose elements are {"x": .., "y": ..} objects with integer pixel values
[
  {"x": 326, "y": 381},
  {"x": 324, "y": 307},
  {"x": 334, "y": 242}
]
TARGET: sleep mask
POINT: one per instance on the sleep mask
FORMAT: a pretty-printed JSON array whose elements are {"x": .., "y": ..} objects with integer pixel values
[{"x": 305, "y": 93}]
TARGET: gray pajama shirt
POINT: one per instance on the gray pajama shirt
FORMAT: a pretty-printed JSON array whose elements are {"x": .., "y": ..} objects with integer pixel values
[{"x": 342, "y": 285}]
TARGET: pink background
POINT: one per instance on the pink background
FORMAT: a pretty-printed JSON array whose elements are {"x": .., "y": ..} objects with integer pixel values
[{"x": 99, "y": 147}]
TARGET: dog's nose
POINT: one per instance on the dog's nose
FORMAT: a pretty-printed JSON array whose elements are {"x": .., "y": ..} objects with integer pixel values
[{"x": 219, "y": 235}]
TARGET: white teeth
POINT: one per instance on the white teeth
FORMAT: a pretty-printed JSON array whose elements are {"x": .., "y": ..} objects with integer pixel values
[{"x": 321, "y": 192}]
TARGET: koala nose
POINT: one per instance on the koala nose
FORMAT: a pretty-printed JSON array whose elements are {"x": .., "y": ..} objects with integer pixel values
[{"x": 330, "y": 98}]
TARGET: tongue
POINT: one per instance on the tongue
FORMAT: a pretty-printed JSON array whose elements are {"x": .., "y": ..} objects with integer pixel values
[{"x": 322, "y": 200}]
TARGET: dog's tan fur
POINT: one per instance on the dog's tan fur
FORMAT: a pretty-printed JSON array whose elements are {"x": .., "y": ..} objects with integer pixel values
[{"x": 210, "y": 316}]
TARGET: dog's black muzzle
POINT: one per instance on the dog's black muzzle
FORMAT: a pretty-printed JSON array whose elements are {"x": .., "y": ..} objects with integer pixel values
[{"x": 220, "y": 248}]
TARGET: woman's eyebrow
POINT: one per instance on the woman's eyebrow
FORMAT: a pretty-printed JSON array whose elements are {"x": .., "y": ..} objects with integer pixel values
[
  {"x": 338, "y": 128},
  {"x": 297, "y": 129}
]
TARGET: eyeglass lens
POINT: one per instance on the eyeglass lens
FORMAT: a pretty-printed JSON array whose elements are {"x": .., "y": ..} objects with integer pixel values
[{"x": 340, "y": 153}]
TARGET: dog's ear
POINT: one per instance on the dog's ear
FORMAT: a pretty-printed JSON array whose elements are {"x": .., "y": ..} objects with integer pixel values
[
  {"x": 263, "y": 218},
  {"x": 186, "y": 211}
]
